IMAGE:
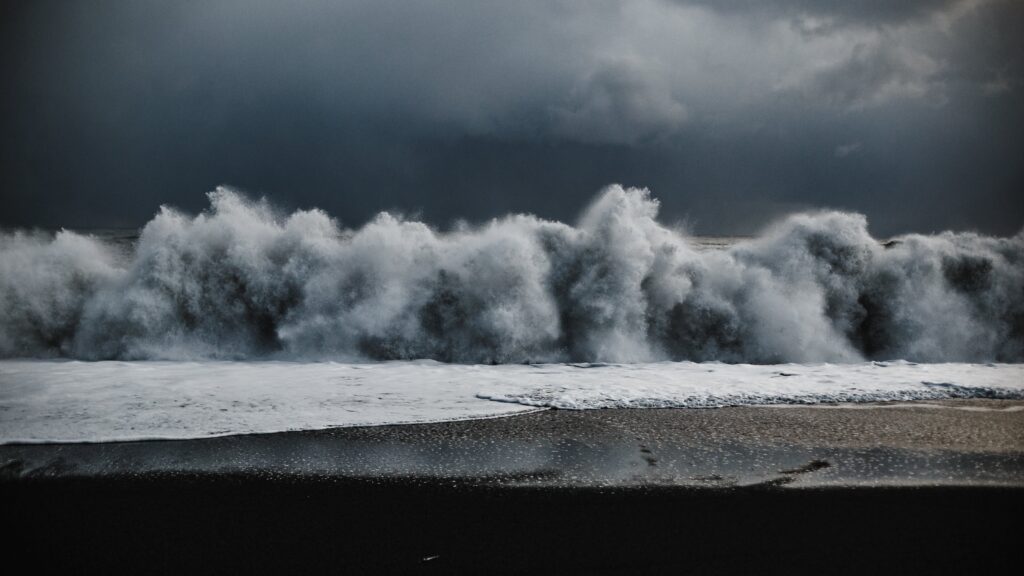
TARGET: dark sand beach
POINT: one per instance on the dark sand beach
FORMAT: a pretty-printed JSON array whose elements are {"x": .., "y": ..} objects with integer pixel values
[{"x": 921, "y": 488}]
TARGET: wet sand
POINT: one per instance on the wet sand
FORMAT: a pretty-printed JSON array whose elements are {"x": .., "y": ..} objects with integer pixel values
[
  {"x": 920, "y": 488},
  {"x": 955, "y": 442}
]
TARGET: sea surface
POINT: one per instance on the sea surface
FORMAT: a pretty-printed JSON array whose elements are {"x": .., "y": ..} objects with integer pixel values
[{"x": 246, "y": 319}]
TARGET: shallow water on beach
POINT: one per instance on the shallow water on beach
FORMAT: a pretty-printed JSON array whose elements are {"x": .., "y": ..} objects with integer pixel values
[{"x": 70, "y": 401}]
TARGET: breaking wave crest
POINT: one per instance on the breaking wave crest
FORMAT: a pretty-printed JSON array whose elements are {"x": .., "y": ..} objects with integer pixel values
[{"x": 243, "y": 281}]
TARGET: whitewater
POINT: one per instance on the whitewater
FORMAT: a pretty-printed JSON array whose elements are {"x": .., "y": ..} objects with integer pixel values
[
  {"x": 245, "y": 319},
  {"x": 242, "y": 281},
  {"x": 72, "y": 401}
]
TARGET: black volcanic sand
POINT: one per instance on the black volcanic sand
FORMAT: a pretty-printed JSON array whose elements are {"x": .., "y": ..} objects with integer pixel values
[
  {"x": 923, "y": 488},
  {"x": 958, "y": 442}
]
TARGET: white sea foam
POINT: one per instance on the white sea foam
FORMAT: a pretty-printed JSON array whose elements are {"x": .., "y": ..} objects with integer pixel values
[
  {"x": 713, "y": 384},
  {"x": 241, "y": 281},
  {"x": 70, "y": 401}
]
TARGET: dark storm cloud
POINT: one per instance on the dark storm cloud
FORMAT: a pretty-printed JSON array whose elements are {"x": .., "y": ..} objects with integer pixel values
[
  {"x": 731, "y": 112},
  {"x": 874, "y": 74},
  {"x": 871, "y": 12}
]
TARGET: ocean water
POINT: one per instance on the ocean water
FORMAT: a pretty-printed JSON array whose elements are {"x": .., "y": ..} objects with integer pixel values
[
  {"x": 73, "y": 401},
  {"x": 242, "y": 281},
  {"x": 246, "y": 319}
]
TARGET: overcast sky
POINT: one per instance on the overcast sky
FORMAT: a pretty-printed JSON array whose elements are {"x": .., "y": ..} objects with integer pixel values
[{"x": 732, "y": 112}]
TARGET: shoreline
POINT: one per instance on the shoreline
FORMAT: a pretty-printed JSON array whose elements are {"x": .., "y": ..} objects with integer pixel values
[
  {"x": 908, "y": 489},
  {"x": 949, "y": 442}
]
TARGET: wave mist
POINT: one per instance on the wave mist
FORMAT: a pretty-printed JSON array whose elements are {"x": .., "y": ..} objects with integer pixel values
[{"x": 243, "y": 281}]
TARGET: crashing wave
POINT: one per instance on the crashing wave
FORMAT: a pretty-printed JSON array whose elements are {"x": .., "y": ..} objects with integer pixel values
[{"x": 243, "y": 281}]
